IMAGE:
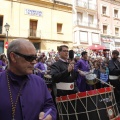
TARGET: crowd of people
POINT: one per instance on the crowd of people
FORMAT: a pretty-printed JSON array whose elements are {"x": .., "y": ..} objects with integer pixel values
[{"x": 23, "y": 74}]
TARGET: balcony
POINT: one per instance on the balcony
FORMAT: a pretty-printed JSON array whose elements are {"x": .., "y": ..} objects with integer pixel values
[
  {"x": 81, "y": 4},
  {"x": 92, "y": 25},
  {"x": 115, "y": 15},
  {"x": 104, "y": 32},
  {"x": 64, "y": 2},
  {"x": 104, "y": 13},
  {"x": 86, "y": 24},
  {"x": 92, "y": 6},
  {"x": 34, "y": 34},
  {"x": 116, "y": 34},
  {"x": 85, "y": 5}
]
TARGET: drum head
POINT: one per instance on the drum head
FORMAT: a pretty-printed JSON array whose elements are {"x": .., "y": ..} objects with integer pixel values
[
  {"x": 90, "y": 76},
  {"x": 91, "y": 79}
]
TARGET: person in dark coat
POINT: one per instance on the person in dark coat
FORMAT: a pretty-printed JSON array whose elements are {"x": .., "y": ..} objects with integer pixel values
[
  {"x": 114, "y": 73},
  {"x": 63, "y": 74}
]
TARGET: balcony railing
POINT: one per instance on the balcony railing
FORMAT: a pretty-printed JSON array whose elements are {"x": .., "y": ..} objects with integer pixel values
[
  {"x": 85, "y": 5},
  {"x": 80, "y": 3},
  {"x": 116, "y": 34},
  {"x": 105, "y": 32},
  {"x": 104, "y": 12},
  {"x": 92, "y": 25},
  {"x": 34, "y": 33},
  {"x": 87, "y": 24},
  {"x": 92, "y": 6},
  {"x": 116, "y": 15}
]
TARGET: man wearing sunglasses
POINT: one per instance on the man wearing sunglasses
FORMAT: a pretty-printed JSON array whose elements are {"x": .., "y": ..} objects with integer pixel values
[{"x": 23, "y": 95}]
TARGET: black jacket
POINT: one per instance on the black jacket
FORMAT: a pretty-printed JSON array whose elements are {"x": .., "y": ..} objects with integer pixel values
[
  {"x": 114, "y": 67},
  {"x": 59, "y": 72}
]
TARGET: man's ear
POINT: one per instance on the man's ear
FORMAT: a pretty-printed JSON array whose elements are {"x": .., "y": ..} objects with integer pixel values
[{"x": 13, "y": 57}]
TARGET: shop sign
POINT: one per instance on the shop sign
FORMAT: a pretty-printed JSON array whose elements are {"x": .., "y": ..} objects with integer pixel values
[
  {"x": 117, "y": 40},
  {"x": 106, "y": 40},
  {"x": 33, "y": 12}
]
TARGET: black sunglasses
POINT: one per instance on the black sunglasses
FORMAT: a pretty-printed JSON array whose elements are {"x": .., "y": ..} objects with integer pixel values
[
  {"x": 28, "y": 58},
  {"x": 65, "y": 51}
]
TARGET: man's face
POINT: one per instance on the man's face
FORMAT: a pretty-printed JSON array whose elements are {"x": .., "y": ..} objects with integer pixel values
[
  {"x": 64, "y": 53},
  {"x": 43, "y": 59},
  {"x": 21, "y": 65},
  {"x": 85, "y": 56},
  {"x": 115, "y": 56}
]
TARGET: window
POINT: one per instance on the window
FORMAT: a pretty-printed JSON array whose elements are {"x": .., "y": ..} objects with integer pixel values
[
  {"x": 104, "y": 10},
  {"x": 90, "y": 19},
  {"x": 37, "y": 45},
  {"x": 33, "y": 27},
  {"x": 95, "y": 38},
  {"x": 83, "y": 37},
  {"x": 58, "y": 48},
  {"x": 59, "y": 28},
  {"x": 1, "y": 24},
  {"x": 79, "y": 16},
  {"x": 117, "y": 31},
  {"x": 1, "y": 46},
  {"x": 104, "y": 29},
  {"x": 116, "y": 13}
]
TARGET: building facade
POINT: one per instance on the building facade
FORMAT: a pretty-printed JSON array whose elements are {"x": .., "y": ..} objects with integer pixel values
[
  {"x": 85, "y": 23},
  {"x": 46, "y": 23},
  {"x": 109, "y": 21}
]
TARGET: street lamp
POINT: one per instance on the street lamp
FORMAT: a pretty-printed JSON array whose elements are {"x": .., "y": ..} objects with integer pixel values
[{"x": 7, "y": 26}]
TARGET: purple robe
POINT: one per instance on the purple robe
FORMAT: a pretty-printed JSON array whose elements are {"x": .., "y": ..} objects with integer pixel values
[
  {"x": 40, "y": 66},
  {"x": 82, "y": 65},
  {"x": 1, "y": 65},
  {"x": 34, "y": 97}
]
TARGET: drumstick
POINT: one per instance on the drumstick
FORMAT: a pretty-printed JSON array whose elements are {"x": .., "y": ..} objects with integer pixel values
[
  {"x": 47, "y": 113},
  {"x": 105, "y": 83}
]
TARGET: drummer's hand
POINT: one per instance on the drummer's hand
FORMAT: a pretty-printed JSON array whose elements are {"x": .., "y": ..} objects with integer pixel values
[
  {"x": 48, "y": 117},
  {"x": 81, "y": 73},
  {"x": 39, "y": 70},
  {"x": 70, "y": 67},
  {"x": 45, "y": 73},
  {"x": 102, "y": 83},
  {"x": 48, "y": 71}
]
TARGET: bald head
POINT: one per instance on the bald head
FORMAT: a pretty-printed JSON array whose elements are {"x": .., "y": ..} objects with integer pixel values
[{"x": 17, "y": 45}]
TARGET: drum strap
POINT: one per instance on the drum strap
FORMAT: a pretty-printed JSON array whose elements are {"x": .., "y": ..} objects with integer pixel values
[{"x": 65, "y": 86}]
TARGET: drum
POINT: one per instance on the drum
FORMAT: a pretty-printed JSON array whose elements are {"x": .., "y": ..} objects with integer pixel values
[
  {"x": 48, "y": 81},
  {"x": 96, "y": 104},
  {"x": 91, "y": 79}
]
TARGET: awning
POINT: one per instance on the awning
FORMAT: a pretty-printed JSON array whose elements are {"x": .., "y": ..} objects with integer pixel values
[
  {"x": 117, "y": 40},
  {"x": 96, "y": 47}
]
